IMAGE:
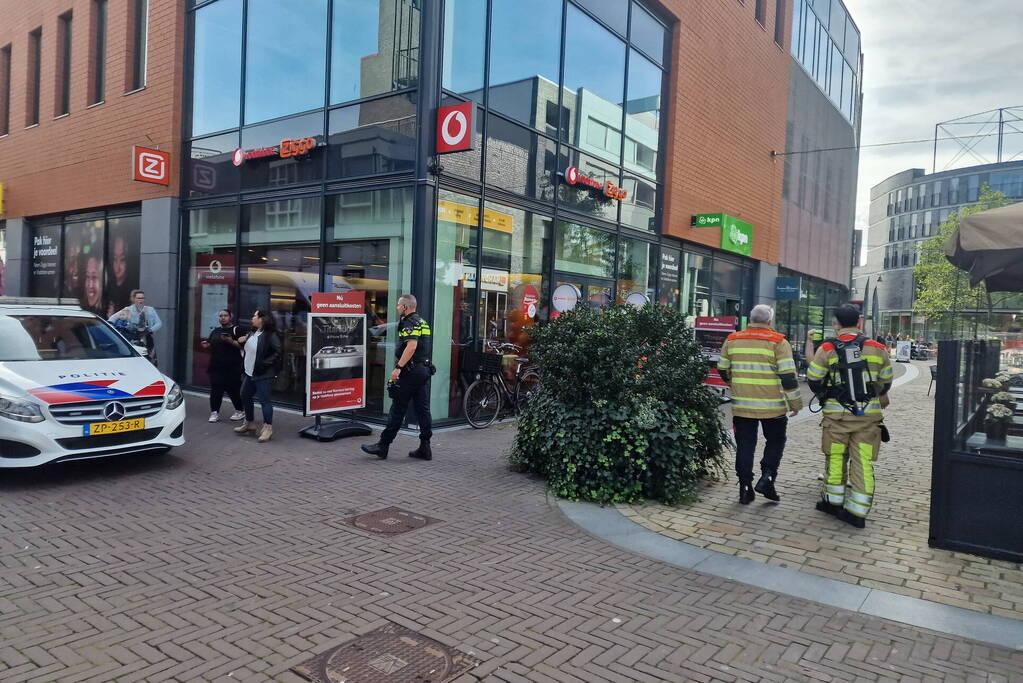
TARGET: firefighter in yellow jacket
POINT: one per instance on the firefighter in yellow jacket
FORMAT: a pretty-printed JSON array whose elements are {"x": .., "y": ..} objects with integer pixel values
[
  {"x": 850, "y": 375},
  {"x": 757, "y": 364}
]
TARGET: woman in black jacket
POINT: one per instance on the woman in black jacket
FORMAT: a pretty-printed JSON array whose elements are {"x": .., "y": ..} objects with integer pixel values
[{"x": 261, "y": 362}]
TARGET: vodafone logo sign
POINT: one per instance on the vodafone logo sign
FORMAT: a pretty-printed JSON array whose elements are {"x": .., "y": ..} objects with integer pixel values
[
  {"x": 571, "y": 175},
  {"x": 238, "y": 158},
  {"x": 455, "y": 128}
]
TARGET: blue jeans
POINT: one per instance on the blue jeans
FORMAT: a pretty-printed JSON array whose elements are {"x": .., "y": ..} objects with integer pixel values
[{"x": 258, "y": 389}]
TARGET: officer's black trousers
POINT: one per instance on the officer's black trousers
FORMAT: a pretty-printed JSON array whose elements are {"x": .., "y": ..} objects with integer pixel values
[
  {"x": 746, "y": 444},
  {"x": 413, "y": 386}
]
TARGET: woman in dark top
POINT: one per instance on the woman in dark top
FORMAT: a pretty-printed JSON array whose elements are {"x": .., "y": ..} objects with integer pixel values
[
  {"x": 261, "y": 363},
  {"x": 225, "y": 368}
]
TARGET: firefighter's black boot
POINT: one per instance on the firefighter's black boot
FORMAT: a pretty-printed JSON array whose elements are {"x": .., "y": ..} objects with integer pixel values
[
  {"x": 746, "y": 495},
  {"x": 765, "y": 486},
  {"x": 423, "y": 452},
  {"x": 828, "y": 508},
  {"x": 378, "y": 449},
  {"x": 851, "y": 519}
]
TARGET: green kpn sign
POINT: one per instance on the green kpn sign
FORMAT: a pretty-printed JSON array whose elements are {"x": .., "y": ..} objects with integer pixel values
[
  {"x": 707, "y": 220},
  {"x": 736, "y": 236}
]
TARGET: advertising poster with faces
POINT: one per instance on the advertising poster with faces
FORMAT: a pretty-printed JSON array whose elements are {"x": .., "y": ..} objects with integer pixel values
[
  {"x": 122, "y": 262},
  {"x": 83, "y": 264}
]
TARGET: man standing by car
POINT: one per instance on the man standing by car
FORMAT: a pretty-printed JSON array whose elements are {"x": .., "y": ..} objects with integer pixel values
[
  {"x": 757, "y": 364},
  {"x": 142, "y": 321},
  {"x": 410, "y": 381}
]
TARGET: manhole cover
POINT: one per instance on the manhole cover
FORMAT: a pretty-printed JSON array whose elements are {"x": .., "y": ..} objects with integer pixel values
[
  {"x": 390, "y": 520},
  {"x": 391, "y": 653}
]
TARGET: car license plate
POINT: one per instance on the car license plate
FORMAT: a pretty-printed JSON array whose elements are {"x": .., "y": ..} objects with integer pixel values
[{"x": 117, "y": 427}]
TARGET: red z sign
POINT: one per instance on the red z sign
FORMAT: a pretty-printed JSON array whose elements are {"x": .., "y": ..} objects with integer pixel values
[
  {"x": 456, "y": 128},
  {"x": 150, "y": 165}
]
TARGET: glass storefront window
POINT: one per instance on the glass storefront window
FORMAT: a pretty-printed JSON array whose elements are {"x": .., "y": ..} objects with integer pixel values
[
  {"x": 584, "y": 250},
  {"x": 512, "y": 286},
  {"x": 374, "y": 48},
  {"x": 372, "y": 138},
  {"x": 279, "y": 271},
  {"x": 595, "y": 78},
  {"x": 520, "y": 160},
  {"x": 217, "y": 67},
  {"x": 637, "y": 269},
  {"x": 286, "y": 51},
  {"x": 46, "y": 261},
  {"x": 696, "y": 286},
  {"x": 465, "y": 33},
  {"x": 283, "y": 167},
  {"x": 212, "y": 284},
  {"x": 524, "y": 56},
  {"x": 211, "y": 169},
  {"x": 668, "y": 291},
  {"x": 648, "y": 34},
  {"x": 583, "y": 198},
  {"x": 369, "y": 249},
  {"x": 643, "y": 125},
  {"x": 457, "y": 229}
]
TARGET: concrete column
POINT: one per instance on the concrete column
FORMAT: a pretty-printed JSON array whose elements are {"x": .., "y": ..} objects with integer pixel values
[
  {"x": 158, "y": 274},
  {"x": 19, "y": 257}
]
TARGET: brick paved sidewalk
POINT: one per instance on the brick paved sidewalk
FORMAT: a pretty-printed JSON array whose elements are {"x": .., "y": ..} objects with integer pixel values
[
  {"x": 230, "y": 561},
  {"x": 891, "y": 554}
]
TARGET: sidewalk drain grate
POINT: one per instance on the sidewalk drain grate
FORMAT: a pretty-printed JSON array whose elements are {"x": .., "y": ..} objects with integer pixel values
[
  {"x": 391, "y": 653},
  {"x": 390, "y": 521}
]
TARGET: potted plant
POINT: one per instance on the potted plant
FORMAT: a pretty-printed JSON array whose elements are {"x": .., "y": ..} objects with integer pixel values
[
  {"x": 991, "y": 385},
  {"x": 1006, "y": 398},
  {"x": 996, "y": 424}
]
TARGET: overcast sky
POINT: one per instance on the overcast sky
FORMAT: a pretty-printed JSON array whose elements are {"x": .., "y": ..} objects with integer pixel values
[{"x": 928, "y": 61}]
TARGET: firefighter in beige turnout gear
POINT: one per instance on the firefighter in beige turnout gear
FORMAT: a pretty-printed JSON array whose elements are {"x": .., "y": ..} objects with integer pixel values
[
  {"x": 757, "y": 364},
  {"x": 851, "y": 375}
]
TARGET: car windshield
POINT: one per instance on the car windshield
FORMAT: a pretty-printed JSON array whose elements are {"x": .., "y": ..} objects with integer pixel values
[{"x": 59, "y": 337}]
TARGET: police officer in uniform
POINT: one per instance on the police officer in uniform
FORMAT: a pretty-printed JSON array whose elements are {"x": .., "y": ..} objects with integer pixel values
[
  {"x": 410, "y": 381},
  {"x": 851, "y": 375}
]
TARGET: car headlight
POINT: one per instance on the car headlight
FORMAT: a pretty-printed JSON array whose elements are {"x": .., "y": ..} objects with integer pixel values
[
  {"x": 22, "y": 411},
  {"x": 174, "y": 397}
]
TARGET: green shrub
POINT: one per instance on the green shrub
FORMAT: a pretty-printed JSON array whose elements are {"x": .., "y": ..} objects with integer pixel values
[{"x": 622, "y": 413}]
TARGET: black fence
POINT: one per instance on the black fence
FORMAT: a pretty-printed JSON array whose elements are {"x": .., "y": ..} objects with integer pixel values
[{"x": 976, "y": 480}]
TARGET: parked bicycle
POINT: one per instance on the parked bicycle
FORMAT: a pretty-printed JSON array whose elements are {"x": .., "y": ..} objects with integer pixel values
[{"x": 491, "y": 390}]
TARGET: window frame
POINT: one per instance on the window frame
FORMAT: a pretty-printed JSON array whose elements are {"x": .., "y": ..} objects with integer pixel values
[
  {"x": 33, "y": 83},
  {"x": 98, "y": 48}
]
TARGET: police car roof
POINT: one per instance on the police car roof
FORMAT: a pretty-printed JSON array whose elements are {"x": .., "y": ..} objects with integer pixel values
[{"x": 25, "y": 305}]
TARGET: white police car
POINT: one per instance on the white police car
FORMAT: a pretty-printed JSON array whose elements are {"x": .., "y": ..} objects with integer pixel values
[{"x": 72, "y": 388}]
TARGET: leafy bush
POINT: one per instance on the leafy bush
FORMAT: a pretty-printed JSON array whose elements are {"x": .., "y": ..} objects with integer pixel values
[{"x": 622, "y": 413}]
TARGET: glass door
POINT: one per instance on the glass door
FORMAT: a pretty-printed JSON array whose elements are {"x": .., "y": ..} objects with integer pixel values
[{"x": 593, "y": 292}]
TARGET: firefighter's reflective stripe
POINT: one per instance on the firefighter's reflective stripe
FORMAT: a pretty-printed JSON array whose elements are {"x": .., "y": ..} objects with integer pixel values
[
  {"x": 834, "y": 485},
  {"x": 736, "y": 350},
  {"x": 755, "y": 368},
  {"x": 786, "y": 365},
  {"x": 859, "y": 502},
  {"x": 815, "y": 371},
  {"x": 832, "y": 406},
  {"x": 772, "y": 382},
  {"x": 759, "y": 403}
]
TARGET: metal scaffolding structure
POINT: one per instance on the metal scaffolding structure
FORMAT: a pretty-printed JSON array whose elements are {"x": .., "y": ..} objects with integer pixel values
[{"x": 987, "y": 137}]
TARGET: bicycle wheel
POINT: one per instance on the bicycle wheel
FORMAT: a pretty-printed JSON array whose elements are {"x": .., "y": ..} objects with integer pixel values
[
  {"x": 482, "y": 403},
  {"x": 525, "y": 387}
]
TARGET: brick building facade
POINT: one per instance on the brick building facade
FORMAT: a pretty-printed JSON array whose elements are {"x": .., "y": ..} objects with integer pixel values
[{"x": 675, "y": 106}]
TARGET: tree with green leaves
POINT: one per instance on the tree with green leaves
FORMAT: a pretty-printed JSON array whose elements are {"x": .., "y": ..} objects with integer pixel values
[{"x": 943, "y": 292}]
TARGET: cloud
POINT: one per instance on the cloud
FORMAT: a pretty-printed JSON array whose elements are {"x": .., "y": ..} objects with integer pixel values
[{"x": 927, "y": 61}]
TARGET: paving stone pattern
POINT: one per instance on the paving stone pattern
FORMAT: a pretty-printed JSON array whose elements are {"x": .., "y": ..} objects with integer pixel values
[
  {"x": 891, "y": 554},
  {"x": 231, "y": 561}
]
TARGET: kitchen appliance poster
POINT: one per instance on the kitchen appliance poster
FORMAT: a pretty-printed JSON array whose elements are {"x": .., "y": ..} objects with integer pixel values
[{"x": 336, "y": 353}]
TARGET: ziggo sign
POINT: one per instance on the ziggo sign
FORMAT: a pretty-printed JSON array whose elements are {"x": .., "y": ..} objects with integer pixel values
[{"x": 287, "y": 149}]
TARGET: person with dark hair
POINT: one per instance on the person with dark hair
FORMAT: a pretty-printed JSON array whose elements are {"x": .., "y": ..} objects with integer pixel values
[
  {"x": 143, "y": 321},
  {"x": 261, "y": 363},
  {"x": 225, "y": 366},
  {"x": 850, "y": 375}
]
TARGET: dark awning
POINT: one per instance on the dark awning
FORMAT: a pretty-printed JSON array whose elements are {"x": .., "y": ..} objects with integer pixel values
[{"x": 989, "y": 245}]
